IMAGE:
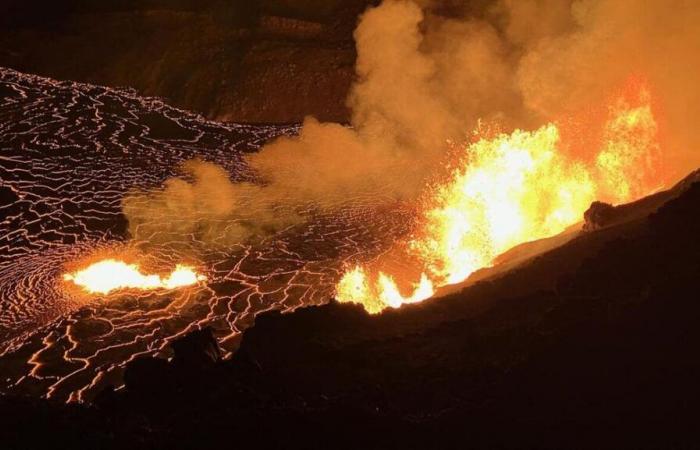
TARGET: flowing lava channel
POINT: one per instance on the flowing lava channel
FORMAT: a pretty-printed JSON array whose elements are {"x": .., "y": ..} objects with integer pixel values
[
  {"x": 110, "y": 275},
  {"x": 509, "y": 189}
]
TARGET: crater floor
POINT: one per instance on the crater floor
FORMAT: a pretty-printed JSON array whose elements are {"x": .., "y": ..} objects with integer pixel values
[{"x": 69, "y": 152}]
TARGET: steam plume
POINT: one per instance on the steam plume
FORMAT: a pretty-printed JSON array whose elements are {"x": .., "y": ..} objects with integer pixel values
[{"x": 426, "y": 73}]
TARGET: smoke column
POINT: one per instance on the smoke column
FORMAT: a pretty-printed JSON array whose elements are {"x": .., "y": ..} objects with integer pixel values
[{"x": 427, "y": 74}]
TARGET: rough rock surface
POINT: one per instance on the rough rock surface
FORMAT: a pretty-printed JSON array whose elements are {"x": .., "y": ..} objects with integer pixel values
[
  {"x": 598, "y": 216},
  {"x": 254, "y": 62}
]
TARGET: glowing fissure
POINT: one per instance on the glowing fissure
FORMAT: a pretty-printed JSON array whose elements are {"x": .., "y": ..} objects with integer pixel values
[
  {"x": 512, "y": 189},
  {"x": 110, "y": 275}
]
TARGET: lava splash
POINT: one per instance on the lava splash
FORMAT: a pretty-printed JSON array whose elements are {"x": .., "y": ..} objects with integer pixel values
[
  {"x": 509, "y": 189},
  {"x": 110, "y": 275}
]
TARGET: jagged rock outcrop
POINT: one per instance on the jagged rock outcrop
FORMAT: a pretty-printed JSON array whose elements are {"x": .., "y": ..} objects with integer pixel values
[
  {"x": 196, "y": 350},
  {"x": 194, "y": 355},
  {"x": 598, "y": 215}
]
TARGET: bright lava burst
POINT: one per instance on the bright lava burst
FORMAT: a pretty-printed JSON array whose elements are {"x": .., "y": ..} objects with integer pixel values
[
  {"x": 511, "y": 189},
  {"x": 109, "y": 275}
]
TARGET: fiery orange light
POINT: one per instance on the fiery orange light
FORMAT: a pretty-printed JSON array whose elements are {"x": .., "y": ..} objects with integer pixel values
[
  {"x": 355, "y": 287},
  {"x": 109, "y": 275},
  {"x": 510, "y": 189}
]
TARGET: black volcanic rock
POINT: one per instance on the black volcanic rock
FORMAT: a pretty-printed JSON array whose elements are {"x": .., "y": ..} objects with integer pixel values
[
  {"x": 196, "y": 350},
  {"x": 148, "y": 376},
  {"x": 680, "y": 217},
  {"x": 598, "y": 215}
]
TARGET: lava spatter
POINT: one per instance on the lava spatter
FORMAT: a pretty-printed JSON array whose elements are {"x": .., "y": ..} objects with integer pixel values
[{"x": 510, "y": 189}]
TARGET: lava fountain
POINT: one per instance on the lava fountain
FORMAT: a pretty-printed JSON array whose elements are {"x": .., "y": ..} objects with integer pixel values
[
  {"x": 110, "y": 275},
  {"x": 513, "y": 188}
]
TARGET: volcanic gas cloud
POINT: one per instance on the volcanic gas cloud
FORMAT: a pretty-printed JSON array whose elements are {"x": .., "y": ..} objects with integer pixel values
[{"x": 499, "y": 124}]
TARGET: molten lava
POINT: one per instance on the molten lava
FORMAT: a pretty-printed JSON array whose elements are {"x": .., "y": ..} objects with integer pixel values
[
  {"x": 109, "y": 275},
  {"x": 355, "y": 287},
  {"x": 510, "y": 189}
]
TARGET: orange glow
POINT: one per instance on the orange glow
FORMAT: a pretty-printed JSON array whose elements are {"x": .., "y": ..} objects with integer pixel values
[
  {"x": 511, "y": 189},
  {"x": 355, "y": 287},
  {"x": 110, "y": 275}
]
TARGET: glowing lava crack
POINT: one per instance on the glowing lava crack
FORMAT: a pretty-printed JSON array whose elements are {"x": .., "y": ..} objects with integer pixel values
[{"x": 110, "y": 275}]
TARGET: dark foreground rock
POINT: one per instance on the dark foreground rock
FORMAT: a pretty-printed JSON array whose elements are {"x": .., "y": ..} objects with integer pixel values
[
  {"x": 592, "y": 345},
  {"x": 598, "y": 216}
]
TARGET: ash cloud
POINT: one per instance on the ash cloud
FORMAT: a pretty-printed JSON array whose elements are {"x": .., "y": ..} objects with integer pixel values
[
  {"x": 427, "y": 71},
  {"x": 592, "y": 46},
  {"x": 203, "y": 204}
]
